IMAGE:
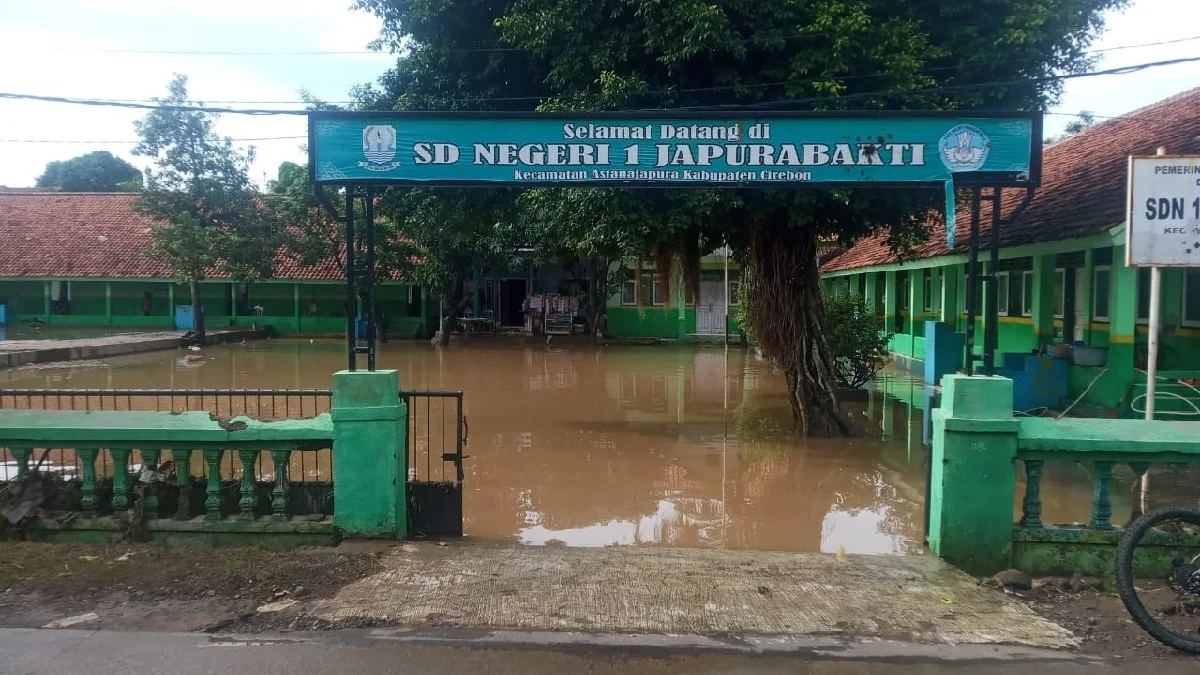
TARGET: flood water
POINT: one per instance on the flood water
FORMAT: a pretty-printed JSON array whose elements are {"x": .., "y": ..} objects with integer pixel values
[{"x": 583, "y": 446}]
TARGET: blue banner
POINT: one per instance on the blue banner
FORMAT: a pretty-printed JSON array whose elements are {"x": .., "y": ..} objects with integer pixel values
[{"x": 470, "y": 149}]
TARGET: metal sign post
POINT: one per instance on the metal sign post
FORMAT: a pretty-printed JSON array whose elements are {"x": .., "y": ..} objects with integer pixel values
[{"x": 1162, "y": 230}]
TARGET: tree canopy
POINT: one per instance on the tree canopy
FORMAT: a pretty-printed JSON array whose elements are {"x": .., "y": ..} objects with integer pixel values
[
  {"x": 201, "y": 189},
  {"x": 733, "y": 55},
  {"x": 97, "y": 171}
]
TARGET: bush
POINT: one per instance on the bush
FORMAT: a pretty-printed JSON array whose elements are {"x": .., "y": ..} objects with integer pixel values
[{"x": 856, "y": 337}]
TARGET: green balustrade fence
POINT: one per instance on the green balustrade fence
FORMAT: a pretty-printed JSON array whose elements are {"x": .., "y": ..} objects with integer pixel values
[
  {"x": 241, "y": 460},
  {"x": 977, "y": 447}
]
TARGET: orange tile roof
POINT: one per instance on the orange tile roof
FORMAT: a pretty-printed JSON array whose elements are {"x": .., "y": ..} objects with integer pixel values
[
  {"x": 1083, "y": 189},
  {"x": 65, "y": 234}
]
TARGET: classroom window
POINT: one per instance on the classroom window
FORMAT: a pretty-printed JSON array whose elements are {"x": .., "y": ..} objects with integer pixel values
[
  {"x": 927, "y": 291},
  {"x": 1002, "y": 293},
  {"x": 1027, "y": 293},
  {"x": 629, "y": 292},
  {"x": 1143, "y": 295},
  {"x": 902, "y": 294},
  {"x": 1060, "y": 293},
  {"x": 1191, "y": 297},
  {"x": 735, "y": 291},
  {"x": 1101, "y": 280},
  {"x": 654, "y": 289}
]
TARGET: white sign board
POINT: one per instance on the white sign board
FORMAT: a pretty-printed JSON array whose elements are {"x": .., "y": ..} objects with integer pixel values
[{"x": 1163, "y": 228}]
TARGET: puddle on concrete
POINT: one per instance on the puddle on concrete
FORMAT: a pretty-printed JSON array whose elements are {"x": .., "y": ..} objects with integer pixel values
[{"x": 669, "y": 446}]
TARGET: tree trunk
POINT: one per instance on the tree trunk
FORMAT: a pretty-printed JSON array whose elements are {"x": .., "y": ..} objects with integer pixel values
[
  {"x": 784, "y": 314},
  {"x": 197, "y": 312}
]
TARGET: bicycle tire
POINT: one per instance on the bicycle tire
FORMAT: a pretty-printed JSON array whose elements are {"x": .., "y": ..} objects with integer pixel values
[{"x": 1125, "y": 581}]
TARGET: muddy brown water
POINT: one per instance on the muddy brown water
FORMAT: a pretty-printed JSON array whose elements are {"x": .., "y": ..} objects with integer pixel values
[{"x": 584, "y": 446}]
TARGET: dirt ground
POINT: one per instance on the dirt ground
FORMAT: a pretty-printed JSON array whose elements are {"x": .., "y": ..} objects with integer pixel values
[
  {"x": 1097, "y": 617},
  {"x": 154, "y": 587}
]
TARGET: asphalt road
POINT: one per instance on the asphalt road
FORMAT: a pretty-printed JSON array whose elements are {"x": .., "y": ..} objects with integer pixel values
[{"x": 67, "y": 652}]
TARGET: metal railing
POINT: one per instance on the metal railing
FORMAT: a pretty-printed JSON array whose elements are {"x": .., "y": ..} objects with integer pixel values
[{"x": 437, "y": 425}]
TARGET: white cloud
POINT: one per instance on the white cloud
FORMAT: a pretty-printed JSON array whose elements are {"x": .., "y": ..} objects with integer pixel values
[
  {"x": 1145, "y": 21},
  {"x": 59, "y": 65}
]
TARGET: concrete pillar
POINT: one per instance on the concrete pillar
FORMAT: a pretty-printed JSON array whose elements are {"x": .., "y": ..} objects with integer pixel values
[
  {"x": 891, "y": 304},
  {"x": 869, "y": 293},
  {"x": 233, "y": 298},
  {"x": 972, "y": 475},
  {"x": 1086, "y": 292},
  {"x": 916, "y": 306},
  {"x": 1122, "y": 313},
  {"x": 108, "y": 303},
  {"x": 950, "y": 294},
  {"x": 370, "y": 471},
  {"x": 679, "y": 297},
  {"x": 296, "y": 305},
  {"x": 1043, "y": 299}
]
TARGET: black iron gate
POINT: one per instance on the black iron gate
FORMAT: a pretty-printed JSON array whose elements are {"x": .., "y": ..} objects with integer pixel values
[{"x": 437, "y": 434}]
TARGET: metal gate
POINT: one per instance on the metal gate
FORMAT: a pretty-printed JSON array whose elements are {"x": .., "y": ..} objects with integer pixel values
[
  {"x": 437, "y": 434},
  {"x": 710, "y": 308}
]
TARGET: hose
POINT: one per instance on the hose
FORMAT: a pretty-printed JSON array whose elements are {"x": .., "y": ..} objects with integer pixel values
[{"x": 1195, "y": 411}]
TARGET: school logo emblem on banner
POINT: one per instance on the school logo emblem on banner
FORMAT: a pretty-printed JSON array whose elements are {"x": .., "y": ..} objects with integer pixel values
[
  {"x": 964, "y": 148},
  {"x": 379, "y": 147}
]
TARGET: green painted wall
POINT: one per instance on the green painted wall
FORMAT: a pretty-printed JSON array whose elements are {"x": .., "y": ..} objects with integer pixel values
[
  {"x": 321, "y": 305},
  {"x": 650, "y": 322},
  {"x": 127, "y": 299},
  {"x": 87, "y": 298},
  {"x": 24, "y": 298}
]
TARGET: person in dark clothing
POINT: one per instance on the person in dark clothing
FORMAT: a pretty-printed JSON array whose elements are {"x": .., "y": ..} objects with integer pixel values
[
  {"x": 147, "y": 303},
  {"x": 381, "y": 326}
]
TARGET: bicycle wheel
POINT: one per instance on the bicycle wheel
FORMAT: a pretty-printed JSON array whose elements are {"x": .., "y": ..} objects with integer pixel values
[{"x": 1165, "y": 600}]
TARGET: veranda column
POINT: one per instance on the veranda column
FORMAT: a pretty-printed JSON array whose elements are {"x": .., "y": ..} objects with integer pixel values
[{"x": 1044, "y": 299}]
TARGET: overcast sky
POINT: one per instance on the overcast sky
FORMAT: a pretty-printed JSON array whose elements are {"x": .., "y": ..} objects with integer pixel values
[{"x": 72, "y": 48}]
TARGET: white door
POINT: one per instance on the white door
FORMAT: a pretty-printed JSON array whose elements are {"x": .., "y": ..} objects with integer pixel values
[{"x": 710, "y": 308}]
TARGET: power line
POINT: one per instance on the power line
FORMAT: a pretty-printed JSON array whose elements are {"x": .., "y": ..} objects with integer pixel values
[
  {"x": 729, "y": 87},
  {"x": 127, "y": 142},
  {"x": 288, "y": 138},
  {"x": 1121, "y": 70}
]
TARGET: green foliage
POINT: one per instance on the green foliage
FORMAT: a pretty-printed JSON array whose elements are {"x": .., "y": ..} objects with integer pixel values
[
  {"x": 592, "y": 55},
  {"x": 97, "y": 171},
  {"x": 200, "y": 188},
  {"x": 853, "y": 331}
]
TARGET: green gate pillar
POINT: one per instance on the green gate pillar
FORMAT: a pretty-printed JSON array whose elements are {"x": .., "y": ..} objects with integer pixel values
[
  {"x": 972, "y": 477},
  {"x": 369, "y": 461}
]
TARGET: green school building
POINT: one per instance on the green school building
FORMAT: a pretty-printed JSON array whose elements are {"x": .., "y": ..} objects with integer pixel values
[
  {"x": 665, "y": 313},
  {"x": 78, "y": 259},
  {"x": 1061, "y": 276}
]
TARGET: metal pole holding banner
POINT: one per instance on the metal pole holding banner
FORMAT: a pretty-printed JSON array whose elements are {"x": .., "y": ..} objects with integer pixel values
[
  {"x": 1151, "y": 360},
  {"x": 351, "y": 294},
  {"x": 726, "y": 331},
  {"x": 973, "y": 280},
  {"x": 1152, "y": 343}
]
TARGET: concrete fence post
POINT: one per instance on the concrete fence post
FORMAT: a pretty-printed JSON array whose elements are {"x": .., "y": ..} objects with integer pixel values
[
  {"x": 972, "y": 474},
  {"x": 370, "y": 470}
]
